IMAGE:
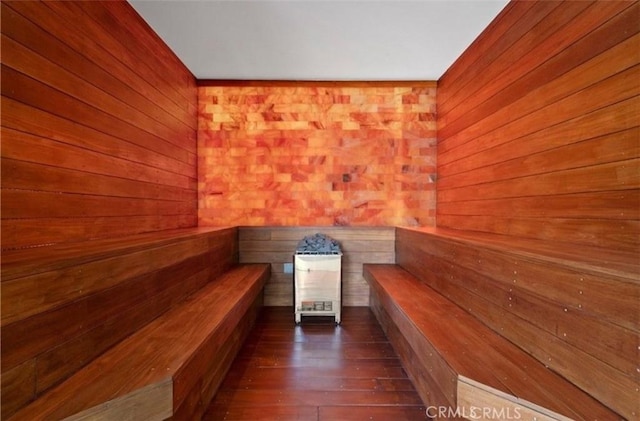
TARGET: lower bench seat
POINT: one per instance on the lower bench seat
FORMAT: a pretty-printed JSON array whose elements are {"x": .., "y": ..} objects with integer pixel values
[
  {"x": 461, "y": 367},
  {"x": 169, "y": 369}
]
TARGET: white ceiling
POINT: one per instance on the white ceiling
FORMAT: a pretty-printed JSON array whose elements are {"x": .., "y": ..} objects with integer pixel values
[{"x": 318, "y": 40}]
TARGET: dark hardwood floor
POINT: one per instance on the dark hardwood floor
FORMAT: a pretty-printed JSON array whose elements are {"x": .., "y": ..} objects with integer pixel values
[{"x": 316, "y": 371}]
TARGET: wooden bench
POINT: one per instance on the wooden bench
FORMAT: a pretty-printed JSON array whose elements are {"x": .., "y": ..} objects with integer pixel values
[
  {"x": 486, "y": 321},
  {"x": 457, "y": 362},
  {"x": 171, "y": 368},
  {"x": 65, "y": 305}
]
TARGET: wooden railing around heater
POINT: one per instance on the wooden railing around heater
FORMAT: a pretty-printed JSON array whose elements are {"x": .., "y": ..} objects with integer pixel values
[
  {"x": 146, "y": 324},
  {"x": 483, "y": 319}
]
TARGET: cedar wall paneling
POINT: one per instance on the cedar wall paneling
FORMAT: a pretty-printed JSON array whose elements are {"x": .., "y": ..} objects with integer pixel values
[
  {"x": 276, "y": 245},
  {"x": 538, "y": 139},
  {"x": 98, "y": 125},
  {"x": 538, "y": 126},
  {"x": 317, "y": 154}
]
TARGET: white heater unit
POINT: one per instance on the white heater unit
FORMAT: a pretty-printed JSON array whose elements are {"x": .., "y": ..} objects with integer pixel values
[{"x": 317, "y": 285}]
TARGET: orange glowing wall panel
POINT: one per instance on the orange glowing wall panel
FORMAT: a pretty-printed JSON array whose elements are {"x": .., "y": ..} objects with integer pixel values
[{"x": 308, "y": 154}]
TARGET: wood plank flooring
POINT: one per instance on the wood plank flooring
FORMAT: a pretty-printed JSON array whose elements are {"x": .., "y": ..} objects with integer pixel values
[{"x": 316, "y": 371}]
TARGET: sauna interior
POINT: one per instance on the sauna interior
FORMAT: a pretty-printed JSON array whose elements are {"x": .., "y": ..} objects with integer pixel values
[{"x": 489, "y": 219}]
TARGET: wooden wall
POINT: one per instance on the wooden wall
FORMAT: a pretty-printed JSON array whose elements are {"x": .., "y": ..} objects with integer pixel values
[
  {"x": 98, "y": 125},
  {"x": 538, "y": 126},
  {"x": 276, "y": 245},
  {"x": 301, "y": 154}
]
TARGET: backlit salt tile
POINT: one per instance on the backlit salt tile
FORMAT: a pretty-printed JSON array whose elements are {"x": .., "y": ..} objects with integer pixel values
[{"x": 294, "y": 138}]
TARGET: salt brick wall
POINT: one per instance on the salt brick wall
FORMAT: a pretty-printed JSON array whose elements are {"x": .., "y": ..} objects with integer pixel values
[{"x": 314, "y": 155}]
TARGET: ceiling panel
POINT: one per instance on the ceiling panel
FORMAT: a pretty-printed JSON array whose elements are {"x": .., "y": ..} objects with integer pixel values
[{"x": 318, "y": 40}]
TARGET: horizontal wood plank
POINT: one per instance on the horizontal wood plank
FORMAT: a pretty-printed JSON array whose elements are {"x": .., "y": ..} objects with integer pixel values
[
  {"x": 28, "y": 233},
  {"x": 617, "y": 117},
  {"x": 38, "y": 67},
  {"x": 610, "y": 148},
  {"x": 216, "y": 373},
  {"x": 80, "y": 315},
  {"x": 27, "y": 175},
  {"x": 609, "y": 91},
  {"x": 33, "y": 148},
  {"x": 617, "y": 345},
  {"x": 49, "y": 288},
  {"x": 616, "y": 176},
  {"x": 22, "y": 88},
  {"x": 20, "y": 263},
  {"x": 581, "y": 232},
  {"x": 22, "y": 118},
  {"x": 602, "y": 289},
  {"x": 29, "y": 204},
  {"x": 624, "y": 204}
]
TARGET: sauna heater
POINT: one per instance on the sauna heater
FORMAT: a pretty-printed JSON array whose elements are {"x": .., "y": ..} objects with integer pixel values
[{"x": 317, "y": 284}]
